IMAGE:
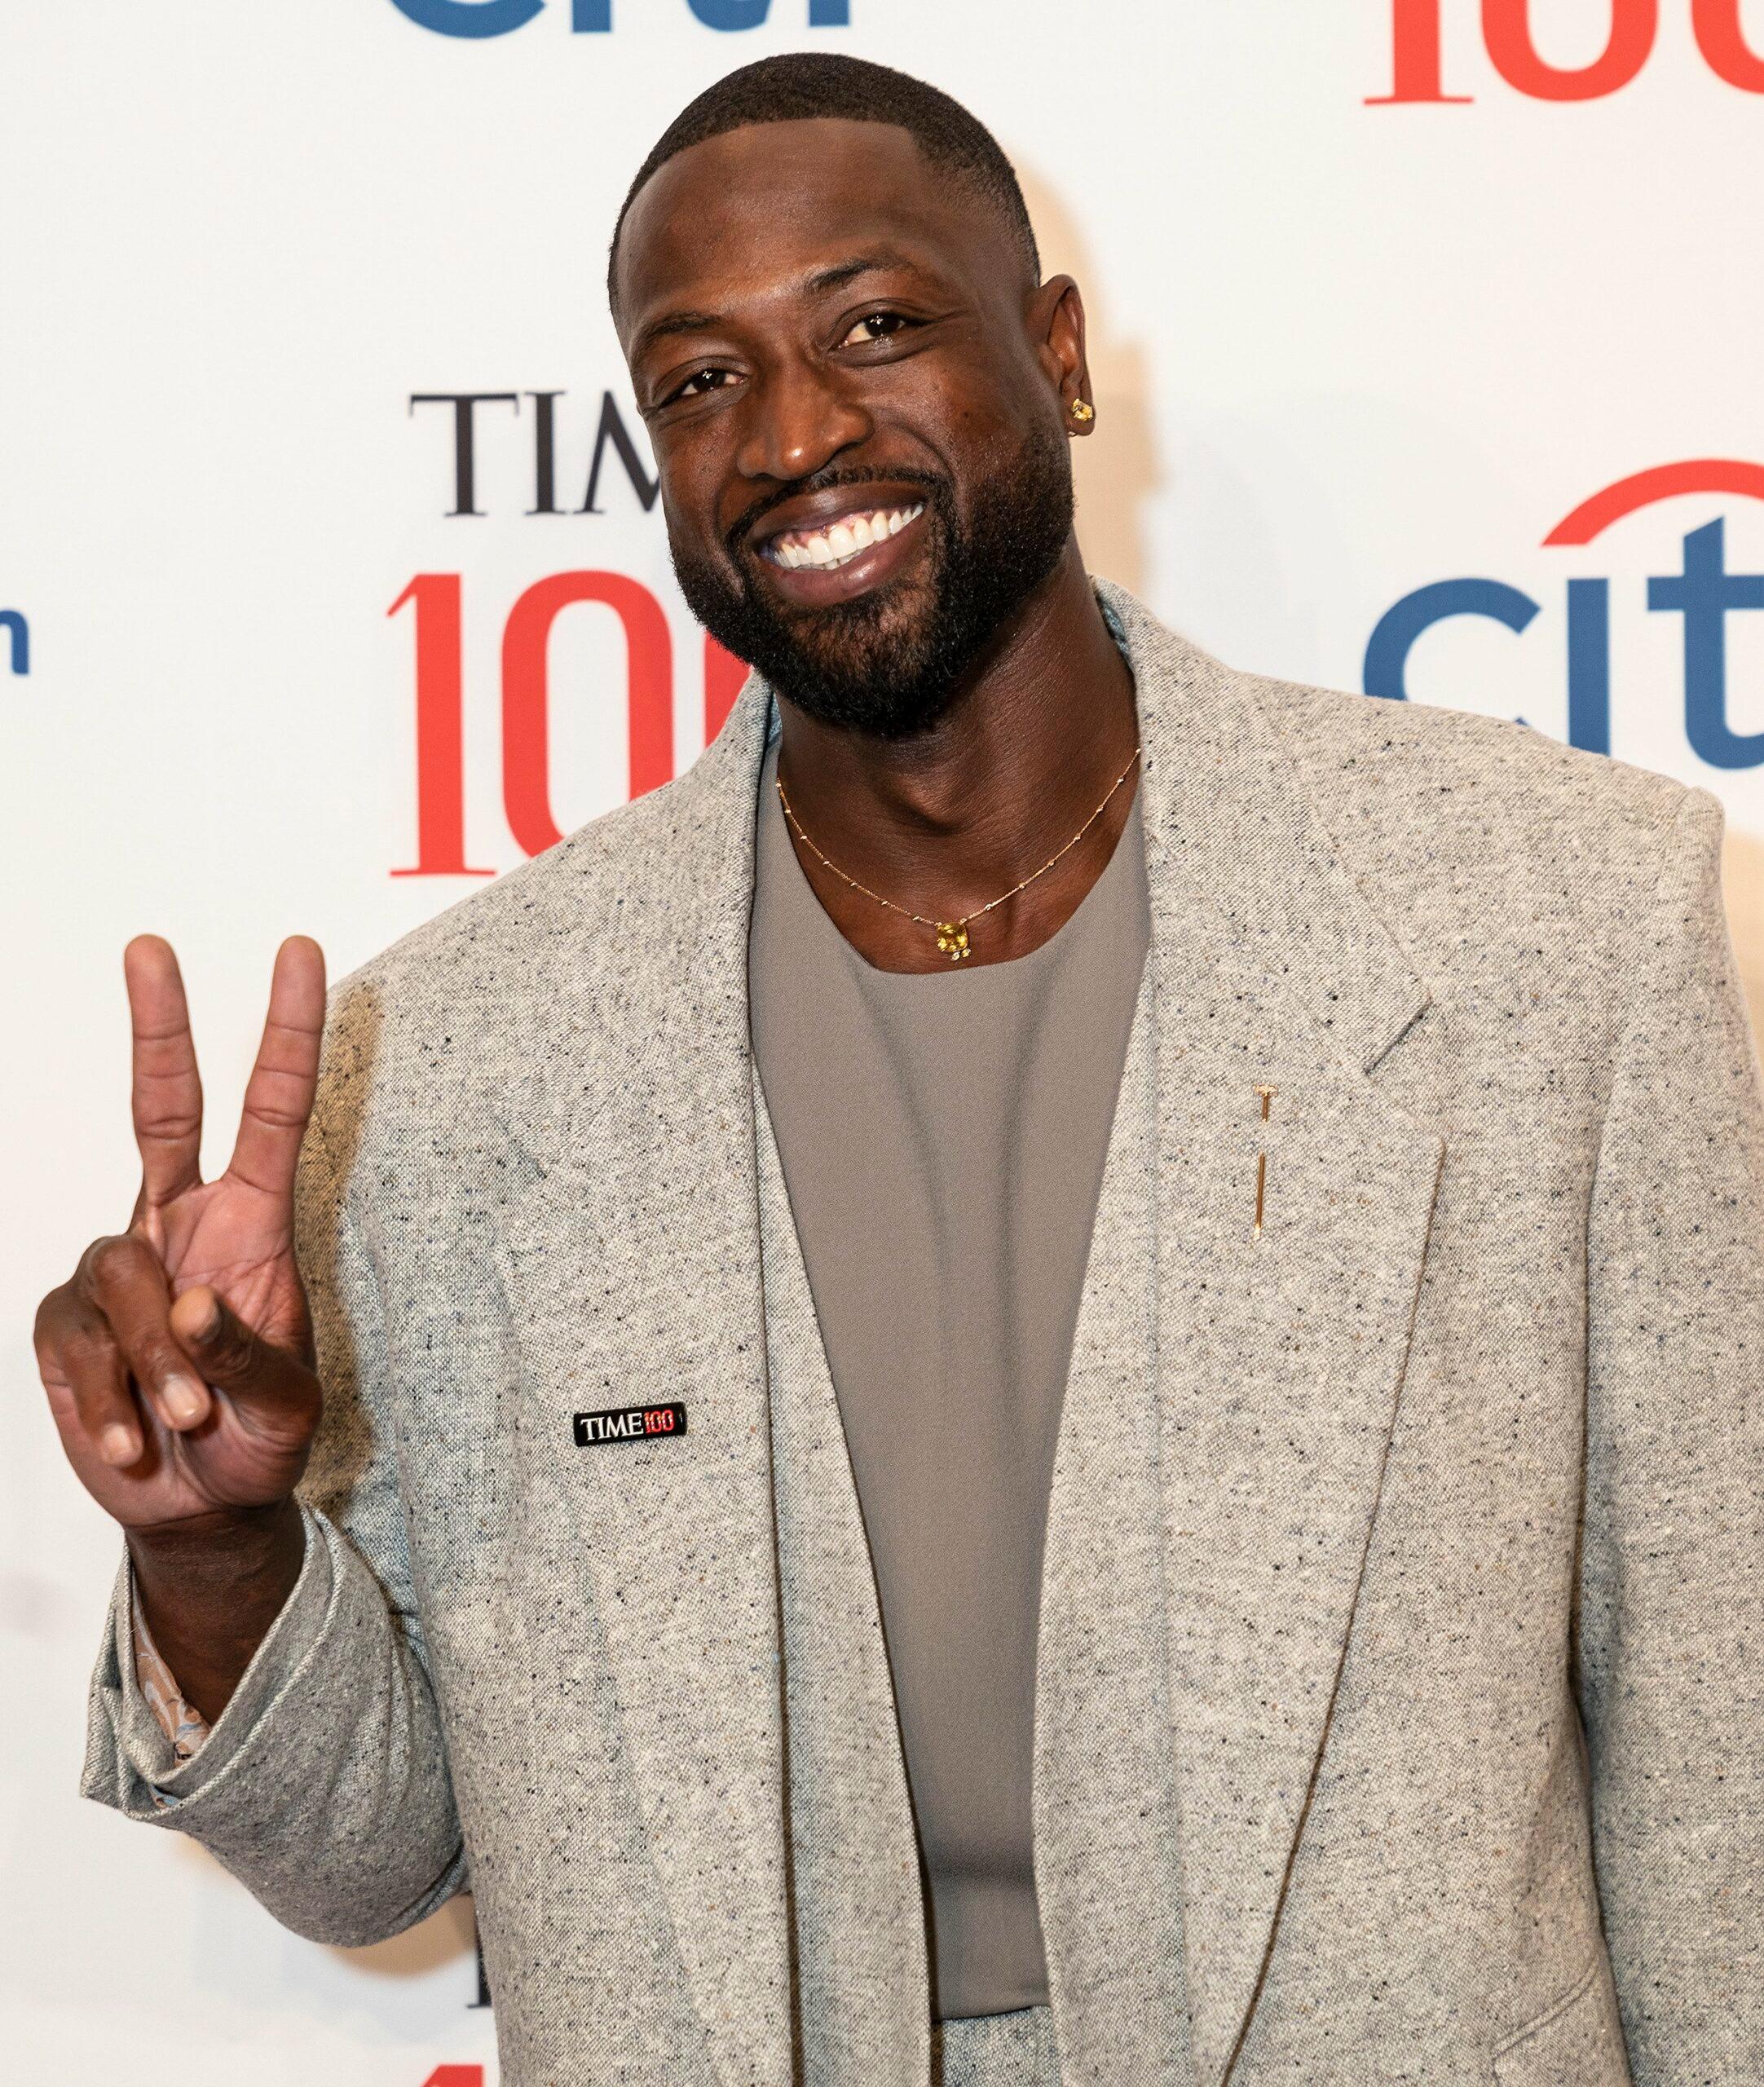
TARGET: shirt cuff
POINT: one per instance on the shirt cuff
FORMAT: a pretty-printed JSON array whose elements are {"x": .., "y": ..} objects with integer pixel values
[
  {"x": 132, "y": 1762},
  {"x": 183, "y": 1725}
]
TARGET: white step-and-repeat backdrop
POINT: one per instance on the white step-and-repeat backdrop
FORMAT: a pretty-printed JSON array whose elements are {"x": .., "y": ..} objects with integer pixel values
[{"x": 1426, "y": 349}]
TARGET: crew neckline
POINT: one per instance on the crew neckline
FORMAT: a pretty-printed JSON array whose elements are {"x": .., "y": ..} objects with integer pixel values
[{"x": 1010, "y": 967}]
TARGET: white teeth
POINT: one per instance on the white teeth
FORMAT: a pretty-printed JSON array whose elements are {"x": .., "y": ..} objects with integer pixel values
[{"x": 842, "y": 542}]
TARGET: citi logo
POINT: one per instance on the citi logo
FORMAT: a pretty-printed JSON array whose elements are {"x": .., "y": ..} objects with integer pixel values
[
  {"x": 1512, "y": 49},
  {"x": 1702, "y": 592},
  {"x": 486, "y": 18}
]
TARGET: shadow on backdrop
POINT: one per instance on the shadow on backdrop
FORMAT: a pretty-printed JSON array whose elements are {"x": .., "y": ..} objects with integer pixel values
[{"x": 1115, "y": 469}]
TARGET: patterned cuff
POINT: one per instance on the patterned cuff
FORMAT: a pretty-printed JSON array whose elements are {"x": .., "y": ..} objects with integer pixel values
[{"x": 181, "y": 1722}]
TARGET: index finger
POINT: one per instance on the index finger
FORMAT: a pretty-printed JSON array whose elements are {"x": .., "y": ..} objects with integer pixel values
[
  {"x": 279, "y": 1095},
  {"x": 165, "y": 1090}
]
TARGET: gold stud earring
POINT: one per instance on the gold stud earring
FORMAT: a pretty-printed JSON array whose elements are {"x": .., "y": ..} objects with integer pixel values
[{"x": 1084, "y": 414}]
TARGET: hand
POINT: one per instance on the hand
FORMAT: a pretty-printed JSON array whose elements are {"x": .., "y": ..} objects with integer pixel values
[{"x": 177, "y": 1359}]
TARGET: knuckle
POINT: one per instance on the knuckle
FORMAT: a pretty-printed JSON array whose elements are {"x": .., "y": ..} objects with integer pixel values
[
  {"x": 280, "y": 1118},
  {"x": 93, "y": 1394},
  {"x": 156, "y": 1356},
  {"x": 232, "y": 1348},
  {"x": 233, "y": 1355},
  {"x": 68, "y": 1329},
  {"x": 143, "y": 1348},
  {"x": 49, "y": 1328},
  {"x": 91, "y": 1350},
  {"x": 113, "y": 1259},
  {"x": 170, "y": 1126}
]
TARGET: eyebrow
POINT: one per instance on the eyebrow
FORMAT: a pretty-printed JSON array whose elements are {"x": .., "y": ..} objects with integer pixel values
[
  {"x": 817, "y": 284},
  {"x": 675, "y": 322},
  {"x": 849, "y": 272}
]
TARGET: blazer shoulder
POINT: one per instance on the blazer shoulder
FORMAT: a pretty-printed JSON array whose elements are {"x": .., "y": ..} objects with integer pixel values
[
  {"x": 1405, "y": 762},
  {"x": 1454, "y": 783},
  {"x": 1486, "y": 843},
  {"x": 563, "y": 895},
  {"x": 1419, "y": 782}
]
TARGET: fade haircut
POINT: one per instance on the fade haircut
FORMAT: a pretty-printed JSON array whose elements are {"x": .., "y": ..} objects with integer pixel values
[{"x": 803, "y": 85}]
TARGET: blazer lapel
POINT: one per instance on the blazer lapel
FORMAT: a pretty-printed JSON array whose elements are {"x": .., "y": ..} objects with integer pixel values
[
  {"x": 1107, "y": 1872},
  {"x": 861, "y": 1976},
  {"x": 632, "y": 1269},
  {"x": 1282, "y": 1353}
]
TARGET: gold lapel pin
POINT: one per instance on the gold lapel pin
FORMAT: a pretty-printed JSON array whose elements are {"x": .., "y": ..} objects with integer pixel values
[{"x": 1266, "y": 1095}]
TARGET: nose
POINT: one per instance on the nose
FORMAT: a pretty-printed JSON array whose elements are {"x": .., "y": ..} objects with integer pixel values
[{"x": 799, "y": 420}]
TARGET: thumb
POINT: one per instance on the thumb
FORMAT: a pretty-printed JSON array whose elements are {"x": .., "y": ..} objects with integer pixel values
[{"x": 263, "y": 1379}]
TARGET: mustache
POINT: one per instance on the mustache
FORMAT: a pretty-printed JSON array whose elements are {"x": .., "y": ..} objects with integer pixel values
[{"x": 934, "y": 487}]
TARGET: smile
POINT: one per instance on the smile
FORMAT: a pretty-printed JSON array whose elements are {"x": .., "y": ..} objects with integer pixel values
[{"x": 826, "y": 550}]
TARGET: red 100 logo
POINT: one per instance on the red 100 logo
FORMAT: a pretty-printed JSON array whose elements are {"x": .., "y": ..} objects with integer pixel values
[
  {"x": 434, "y": 599},
  {"x": 1506, "y": 34}
]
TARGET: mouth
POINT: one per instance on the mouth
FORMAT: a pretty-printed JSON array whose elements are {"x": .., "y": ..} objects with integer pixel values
[
  {"x": 833, "y": 558},
  {"x": 825, "y": 548}
]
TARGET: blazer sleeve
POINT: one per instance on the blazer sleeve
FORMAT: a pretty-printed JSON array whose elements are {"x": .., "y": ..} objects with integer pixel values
[
  {"x": 324, "y": 1785},
  {"x": 1670, "y": 1612}
]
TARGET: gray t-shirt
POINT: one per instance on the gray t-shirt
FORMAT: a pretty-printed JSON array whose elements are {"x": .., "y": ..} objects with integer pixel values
[{"x": 942, "y": 1137}]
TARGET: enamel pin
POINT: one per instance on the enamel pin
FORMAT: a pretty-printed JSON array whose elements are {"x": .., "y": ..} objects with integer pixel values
[
  {"x": 628, "y": 1423},
  {"x": 1266, "y": 1094}
]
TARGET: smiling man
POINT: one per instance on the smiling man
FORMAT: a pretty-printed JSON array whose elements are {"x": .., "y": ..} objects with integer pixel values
[{"x": 1054, "y": 1377}]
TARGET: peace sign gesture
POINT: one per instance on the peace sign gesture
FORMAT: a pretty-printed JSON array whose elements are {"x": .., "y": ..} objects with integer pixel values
[{"x": 178, "y": 1358}]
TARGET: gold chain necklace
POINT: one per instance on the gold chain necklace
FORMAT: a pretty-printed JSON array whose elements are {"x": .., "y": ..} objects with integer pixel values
[{"x": 952, "y": 935}]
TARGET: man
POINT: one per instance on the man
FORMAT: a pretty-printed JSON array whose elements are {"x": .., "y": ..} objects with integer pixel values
[{"x": 1054, "y": 1376}]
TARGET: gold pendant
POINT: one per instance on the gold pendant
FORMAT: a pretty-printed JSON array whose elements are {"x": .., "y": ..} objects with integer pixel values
[{"x": 952, "y": 939}]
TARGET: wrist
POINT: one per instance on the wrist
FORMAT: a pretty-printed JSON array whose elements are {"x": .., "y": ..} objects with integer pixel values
[
  {"x": 209, "y": 1588},
  {"x": 254, "y": 1534}
]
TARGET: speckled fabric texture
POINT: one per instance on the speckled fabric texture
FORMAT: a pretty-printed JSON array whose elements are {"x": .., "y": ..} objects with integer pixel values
[
  {"x": 858, "y": 1941},
  {"x": 1015, "y": 2050},
  {"x": 1457, "y": 1491}
]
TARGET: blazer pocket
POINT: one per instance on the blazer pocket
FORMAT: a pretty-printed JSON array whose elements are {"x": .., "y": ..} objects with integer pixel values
[{"x": 1576, "y": 2042}]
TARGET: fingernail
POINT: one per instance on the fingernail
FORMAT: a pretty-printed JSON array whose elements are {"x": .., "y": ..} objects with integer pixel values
[
  {"x": 185, "y": 1401},
  {"x": 119, "y": 1444}
]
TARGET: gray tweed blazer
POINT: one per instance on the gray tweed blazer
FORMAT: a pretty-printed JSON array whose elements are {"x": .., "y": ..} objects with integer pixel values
[{"x": 1399, "y": 1713}]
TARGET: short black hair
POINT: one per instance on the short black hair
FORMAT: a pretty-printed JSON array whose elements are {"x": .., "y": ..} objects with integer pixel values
[{"x": 800, "y": 85}]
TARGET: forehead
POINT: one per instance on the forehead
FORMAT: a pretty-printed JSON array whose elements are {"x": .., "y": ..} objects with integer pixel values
[{"x": 759, "y": 210}]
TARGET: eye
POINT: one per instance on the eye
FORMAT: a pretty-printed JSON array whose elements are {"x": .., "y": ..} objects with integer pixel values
[
  {"x": 876, "y": 326},
  {"x": 700, "y": 382}
]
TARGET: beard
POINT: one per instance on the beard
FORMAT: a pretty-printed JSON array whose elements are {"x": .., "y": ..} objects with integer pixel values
[{"x": 893, "y": 662}]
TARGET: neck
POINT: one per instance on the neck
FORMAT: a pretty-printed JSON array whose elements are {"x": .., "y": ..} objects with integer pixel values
[{"x": 945, "y": 822}]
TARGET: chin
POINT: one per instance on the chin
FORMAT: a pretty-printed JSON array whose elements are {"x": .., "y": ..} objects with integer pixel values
[
  {"x": 867, "y": 664},
  {"x": 893, "y": 617}
]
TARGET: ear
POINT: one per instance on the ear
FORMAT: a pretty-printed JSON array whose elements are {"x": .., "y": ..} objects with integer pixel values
[{"x": 1057, "y": 321}]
